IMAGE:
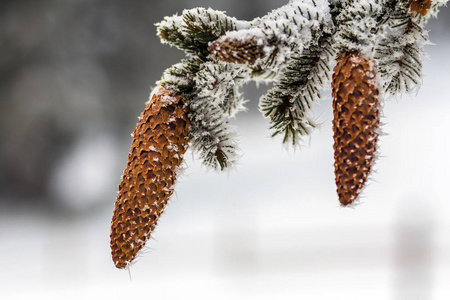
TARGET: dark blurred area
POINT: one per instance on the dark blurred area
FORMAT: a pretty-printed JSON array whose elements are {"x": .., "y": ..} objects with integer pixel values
[
  {"x": 74, "y": 70},
  {"x": 74, "y": 77}
]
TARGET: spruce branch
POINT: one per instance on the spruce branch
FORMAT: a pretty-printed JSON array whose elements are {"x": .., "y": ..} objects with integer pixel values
[
  {"x": 195, "y": 28},
  {"x": 288, "y": 103},
  {"x": 273, "y": 38},
  {"x": 211, "y": 135},
  {"x": 399, "y": 53},
  {"x": 234, "y": 101},
  {"x": 221, "y": 80},
  {"x": 221, "y": 83},
  {"x": 180, "y": 77},
  {"x": 356, "y": 24}
]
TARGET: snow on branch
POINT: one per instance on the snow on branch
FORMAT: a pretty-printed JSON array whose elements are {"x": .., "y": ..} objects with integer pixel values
[
  {"x": 288, "y": 102},
  {"x": 195, "y": 28},
  {"x": 272, "y": 39},
  {"x": 211, "y": 135}
]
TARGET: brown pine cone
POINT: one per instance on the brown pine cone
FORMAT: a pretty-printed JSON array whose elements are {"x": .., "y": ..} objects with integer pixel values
[
  {"x": 355, "y": 125},
  {"x": 236, "y": 51},
  {"x": 159, "y": 143},
  {"x": 420, "y": 6}
]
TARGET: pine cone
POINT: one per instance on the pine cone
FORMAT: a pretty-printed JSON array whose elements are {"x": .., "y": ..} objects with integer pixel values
[
  {"x": 420, "y": 6},
  {"x": 160, "y": 141},
  {"x": 355, "y": 125},
  {"x": 236, "y": 51}
]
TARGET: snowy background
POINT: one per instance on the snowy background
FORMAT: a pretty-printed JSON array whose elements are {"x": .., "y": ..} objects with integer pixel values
[{"x": 74, "y": 77}]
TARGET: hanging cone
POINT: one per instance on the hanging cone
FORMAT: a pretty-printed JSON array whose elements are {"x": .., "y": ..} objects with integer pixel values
[
  {"x": 236, "y": 51},
  {"x": 355, "y": 125},
  {"x": 159, "y": 143},
  {"x": 420, "y": 6}
]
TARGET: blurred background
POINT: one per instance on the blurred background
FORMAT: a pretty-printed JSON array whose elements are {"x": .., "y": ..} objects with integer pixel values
[{"x": 74, "y": 77}]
